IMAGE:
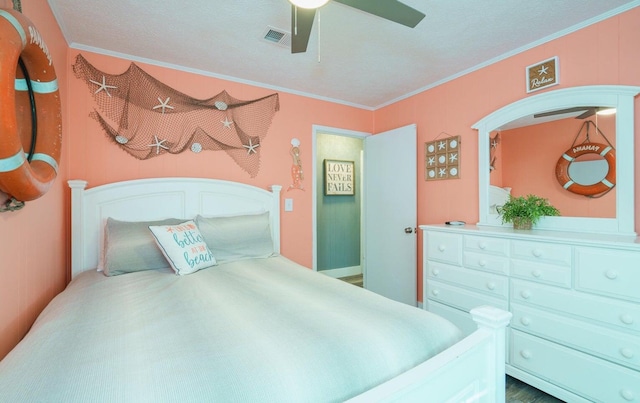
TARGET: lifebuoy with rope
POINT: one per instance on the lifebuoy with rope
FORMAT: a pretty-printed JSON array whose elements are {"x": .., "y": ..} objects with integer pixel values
[
  {"x": 607, "y": 183},
  {"x": 25, "y": 97}
]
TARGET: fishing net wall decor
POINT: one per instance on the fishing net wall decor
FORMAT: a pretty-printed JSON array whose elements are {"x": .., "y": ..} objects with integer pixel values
[{"x": 147, "y": 118}]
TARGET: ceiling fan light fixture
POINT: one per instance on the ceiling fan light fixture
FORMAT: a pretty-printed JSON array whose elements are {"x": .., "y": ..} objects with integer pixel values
[
  {"x": 309, "y": 4},
  {"x": 604, "y": 112}
]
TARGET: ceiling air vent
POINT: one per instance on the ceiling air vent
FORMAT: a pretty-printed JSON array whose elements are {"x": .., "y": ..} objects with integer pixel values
[{"x": 277, "y": 36}]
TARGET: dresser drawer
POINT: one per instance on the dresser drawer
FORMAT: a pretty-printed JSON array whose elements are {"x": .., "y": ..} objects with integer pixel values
[
  {"x": 541, "y": 252},
  {"x": 492, "y": 284},
  {"x": 608, "y": 272},
  {"x": 542, "y": 273},
  {"x": 497, "y": 246},
  {"x": 595, "y": 379},
  {"x": 623, "y": 315},
  {"x": 459, "y": 297},
  {"x": 444, "y": 247},
  {"x": 486, "y": 262},
  {"x": 615, "y": 346}
]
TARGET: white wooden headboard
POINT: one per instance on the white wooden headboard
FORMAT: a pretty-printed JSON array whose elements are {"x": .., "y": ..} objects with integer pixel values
[{"x": 155, "y": 199}]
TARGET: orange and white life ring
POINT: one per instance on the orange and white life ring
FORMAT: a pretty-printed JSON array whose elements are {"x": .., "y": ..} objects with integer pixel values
[
  {"x": 19, "y": 178},
  {"x": 562, "y": 168}
]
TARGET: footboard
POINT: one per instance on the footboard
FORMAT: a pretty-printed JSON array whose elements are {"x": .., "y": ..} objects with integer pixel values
[{"x": 472, "y": 370}]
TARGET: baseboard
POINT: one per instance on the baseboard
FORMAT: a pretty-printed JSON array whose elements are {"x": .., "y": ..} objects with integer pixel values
[{"x": 342, "y": 271}]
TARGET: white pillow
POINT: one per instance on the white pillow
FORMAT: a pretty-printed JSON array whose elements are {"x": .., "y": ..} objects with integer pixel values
[
  {"x": 129, "y": 247},
  {"x": 238, "y": 237},
  {"x": 183, "y": 246}
]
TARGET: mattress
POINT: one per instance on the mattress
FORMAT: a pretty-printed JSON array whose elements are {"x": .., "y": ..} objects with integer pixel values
[{"x": 258, "y": 330}]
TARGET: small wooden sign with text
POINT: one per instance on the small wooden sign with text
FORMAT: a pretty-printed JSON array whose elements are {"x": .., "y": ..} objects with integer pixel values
[
  {"x": 339, "y": 178},
  {"x": 542, "y": 75}
]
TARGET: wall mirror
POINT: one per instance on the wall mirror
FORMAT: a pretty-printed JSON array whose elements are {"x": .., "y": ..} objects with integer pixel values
[{"x": 618, "y": 128}]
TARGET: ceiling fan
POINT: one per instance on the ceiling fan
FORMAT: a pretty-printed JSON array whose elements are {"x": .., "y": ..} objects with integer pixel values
[
  {"x": 587, "y": 112},
  {"x": 303, "y": 13}
]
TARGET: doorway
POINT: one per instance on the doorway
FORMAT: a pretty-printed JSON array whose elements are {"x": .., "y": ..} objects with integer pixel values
[
  {"x": 386, "y": 209},
  {"x": 338, "y": 217}
]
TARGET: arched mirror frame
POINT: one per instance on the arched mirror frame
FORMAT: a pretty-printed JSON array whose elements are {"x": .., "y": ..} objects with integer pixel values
[{"x": 619, "y": 97}]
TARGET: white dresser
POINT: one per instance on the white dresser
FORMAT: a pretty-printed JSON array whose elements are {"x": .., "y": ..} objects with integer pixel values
[{"x": 575, "y": 300}]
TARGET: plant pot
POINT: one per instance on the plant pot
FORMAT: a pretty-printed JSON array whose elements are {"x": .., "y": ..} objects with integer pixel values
[{"x": 522, "y": 223}]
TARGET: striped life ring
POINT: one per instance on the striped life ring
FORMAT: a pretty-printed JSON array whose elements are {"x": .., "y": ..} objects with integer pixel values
[
  {"x": 562, "y": 168},
  {"x": 19, "y": 178}
]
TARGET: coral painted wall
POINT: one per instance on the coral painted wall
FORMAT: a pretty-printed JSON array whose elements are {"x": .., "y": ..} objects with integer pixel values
[
  {"x": 34, "y": 241},
  {"x": 33, "y": 248},
  {"x": 603, "y": 53},
  {"x": 96, "y": 159},
  {"x": 530, "y": 155}
]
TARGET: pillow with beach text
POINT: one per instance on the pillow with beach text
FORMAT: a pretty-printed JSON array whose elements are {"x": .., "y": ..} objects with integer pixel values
[{"x": 183, "y": 246}]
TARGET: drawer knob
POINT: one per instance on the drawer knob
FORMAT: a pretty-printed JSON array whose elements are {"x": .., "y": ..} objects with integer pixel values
[
  {"x": 526, "y": 294},
  {"x": 491, "y": 285},
  {"x": 611, "y": 274},
  {"x": 435, "y": 272},
  {"x": 435, "y": 292},
  {"x": 482, "y": 263},
  {"x": 482, "y": 245},
  {"x": 537, "y": 252},
  {"x": 441, "y": 248},
  {"x": 526, "y": 354},
  {"x": 626, "y": 319},
  {"x": 626, "y": 352},
  {"x": 525, "y": 321},
  {"x": 536, "y": 273},
  {"x": 626, "y": 394}
]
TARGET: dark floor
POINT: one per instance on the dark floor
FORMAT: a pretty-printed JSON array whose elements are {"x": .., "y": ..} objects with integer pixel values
[
  {"x": 520, "y": 392},
  {"x": 355, "y": 280},
  {"x": 517, "y": 391}
]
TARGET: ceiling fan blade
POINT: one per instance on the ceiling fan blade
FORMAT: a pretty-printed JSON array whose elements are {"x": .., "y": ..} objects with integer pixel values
[
  {"x": 301, "y": 24},
  {"x": 391, "y": 10},
  {"x": 567, "y": 110},
  {"x": 587, "y": 113}
]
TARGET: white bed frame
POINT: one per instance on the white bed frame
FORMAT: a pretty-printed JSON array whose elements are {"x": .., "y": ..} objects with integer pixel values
[{"x": 472, "y": 370}]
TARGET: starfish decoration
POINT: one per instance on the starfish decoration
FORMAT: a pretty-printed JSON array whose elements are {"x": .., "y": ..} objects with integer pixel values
[
  {"x": 251, "y": 148},
  {"x": 441, "y": 145},
  {"x": 453, "y": 157},
  {"x": 543, "y": 70},
  {"x": 103, "y": 86},
  {"x": 227, "y": 123},
  {"x": 158, "y": 144},
  {"x": 163, "y": 104},
  {"x": 442, "y": 172},
  {"x": 432, "y": 160}
]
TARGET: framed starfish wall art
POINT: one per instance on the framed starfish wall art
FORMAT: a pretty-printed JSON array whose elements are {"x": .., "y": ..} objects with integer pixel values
[
  {"x": 442, "y": 159},
  {"x": 543, "y": 74}
]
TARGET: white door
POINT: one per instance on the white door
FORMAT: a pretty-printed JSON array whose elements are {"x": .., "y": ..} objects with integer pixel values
[{"x": 390, "y": 214}]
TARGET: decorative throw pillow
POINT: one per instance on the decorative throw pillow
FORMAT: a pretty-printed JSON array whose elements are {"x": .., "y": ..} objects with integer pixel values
[
  {"x": 183, "y": 246},
  {"x": 237, "y": 237},
  {"x": 130, "y": 247}
]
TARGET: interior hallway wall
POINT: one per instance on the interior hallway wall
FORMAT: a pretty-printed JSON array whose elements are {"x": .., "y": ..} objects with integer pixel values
[{"x": 338, "y": 217}]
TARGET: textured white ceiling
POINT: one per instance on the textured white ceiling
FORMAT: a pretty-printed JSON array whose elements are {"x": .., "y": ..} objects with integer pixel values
[{"x": 353, "y": 57}]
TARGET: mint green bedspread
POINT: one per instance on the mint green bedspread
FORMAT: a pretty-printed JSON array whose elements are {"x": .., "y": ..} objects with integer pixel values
[{"x": 261, "y": 330}]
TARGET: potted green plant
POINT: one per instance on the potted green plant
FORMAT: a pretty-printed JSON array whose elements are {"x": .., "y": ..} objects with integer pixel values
[{"x": 525, "y": 211}]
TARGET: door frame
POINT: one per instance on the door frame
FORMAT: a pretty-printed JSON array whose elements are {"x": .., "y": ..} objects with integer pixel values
[{"x": 318, "y": 129}]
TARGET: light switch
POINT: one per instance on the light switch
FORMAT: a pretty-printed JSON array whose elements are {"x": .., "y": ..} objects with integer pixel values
[{"x": 288, "y": 204}]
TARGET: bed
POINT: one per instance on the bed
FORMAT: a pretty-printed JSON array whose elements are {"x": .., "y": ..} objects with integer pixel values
[{"x": 254, "y": 327}]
